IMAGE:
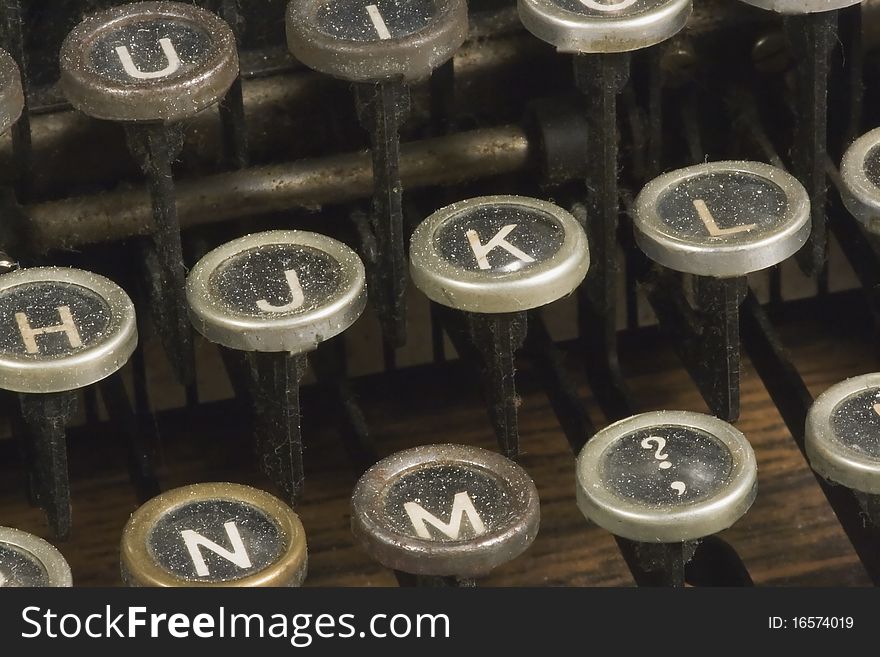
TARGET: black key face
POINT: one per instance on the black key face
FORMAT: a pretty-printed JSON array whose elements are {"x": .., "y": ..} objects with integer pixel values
[
  {"x": 666, "y": 466},
  {"x": 872, "y": 166},
  {"x": 447, "y": 503},
  {"x": 375, "y": 20},
  {"x": 215, "y": 540},
  {"x": 19, "y": 568},
  {"x": 137, "y": 52},
  {"x": 856, "y": 422},
  {"x": 609, "y": 9},
  {"x": 47, "y": 320},
  {"x": 723, "y": 208},
  {"x": 499, "y": 239},
  {"x": 277, "y": 279}
]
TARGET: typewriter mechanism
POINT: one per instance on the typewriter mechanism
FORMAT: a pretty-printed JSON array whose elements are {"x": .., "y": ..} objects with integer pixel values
[{"x": 437, "y": 293}]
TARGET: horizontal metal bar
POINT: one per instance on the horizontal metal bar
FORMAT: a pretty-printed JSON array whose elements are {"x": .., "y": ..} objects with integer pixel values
[{"x": 75, "y": 222}]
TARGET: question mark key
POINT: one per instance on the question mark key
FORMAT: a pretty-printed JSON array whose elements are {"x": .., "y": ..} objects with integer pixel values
[{"x": 666, "y": 477}]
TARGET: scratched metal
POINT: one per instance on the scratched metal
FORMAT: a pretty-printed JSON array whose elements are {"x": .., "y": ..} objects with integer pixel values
[
  {"x": 537, "y": 234},
  {"x": 19, "y": 568},
  {"x": 259, "y": 275},
  {"x": 734, "y": 200},
  {"x": 261, "y": 539},
  {"x": 666, "y": 466},
  {"x": 40, "y": 304},
  {"x": 856, "y": 423},
  {"x": 354, "y": 21}
]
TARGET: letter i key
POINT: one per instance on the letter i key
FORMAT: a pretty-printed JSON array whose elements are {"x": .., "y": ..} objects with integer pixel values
[
  {"x": 276, "y": 296},
  {"x": 381, "y": 46},
  {"x": 601, "y": 34},
  {"x": 495, "y": 258},
  {"x": 150, "y": 66}
]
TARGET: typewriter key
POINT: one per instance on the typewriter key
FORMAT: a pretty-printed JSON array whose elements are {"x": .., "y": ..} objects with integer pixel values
[
  {"x": 11, "y": 94},
  {"x": 668, "y": 478},
  {"x": 445, "y": 511},
  {"x": 601, "y": 34},
  {"x": 381, "y": 46},
  {"x": 603, "y": 26},
  {"x": 62, "y": 329},
  {"x": 151, "y": 65},
  {"x": 29, "y": 561},
  {"x": 801, "y": 6},
  {"x": 495, "y": 258},
  {"x": 860, "y": 173},
  {"x": 843, "y": 437},
  {"x": 277, "y": 296},
  {"x": 214, "y": 534},
  {"x": 723, "y": 219}
]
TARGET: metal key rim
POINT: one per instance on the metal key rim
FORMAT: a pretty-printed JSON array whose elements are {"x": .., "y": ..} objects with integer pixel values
[
  {"x": 801, "y": 6},
  {"x": 692, "y": 521},
  {"x": 284, "y": 333},
  {"x": 411, "y": 57},
  {"x": 576, "y": 33},
  {"x": 10, "y": 82},
  {"x": 721, "y": 260},
  {"x": 92, "y": 364},
  {"x": 827, "y": 455},
  {"x": 861, "y": 196},
  {"x": 468, "y": 558},
  {"x": 103, "y": 98},
  {"x": 536, "y": 286},
  {"x": 50, "y": 558},
  {"x": 139, "y": 568}
]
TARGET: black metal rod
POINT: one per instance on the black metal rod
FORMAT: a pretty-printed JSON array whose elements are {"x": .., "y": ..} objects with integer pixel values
[
  {"x": 601, "y": 78},
  {"x": 232, "y": 116},
  {"x": 45, "y": 418},
  {"x": 382, "y": 108},
  {"x": 278, "y": 437}
]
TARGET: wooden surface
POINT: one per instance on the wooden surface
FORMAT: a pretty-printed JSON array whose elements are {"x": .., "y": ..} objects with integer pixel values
[{"x": 790, "y": 536}]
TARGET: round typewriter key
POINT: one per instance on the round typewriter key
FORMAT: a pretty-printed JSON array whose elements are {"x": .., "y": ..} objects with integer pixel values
[
  {"x": 445, "y": 510},
  {"x": 278, "y": 291},
  {"x": 371, "y": 40},
  {"x": 11, "y": 94},
  {"x": 843, "y": 434},
  {"x": 499, "y": 254},
  {"x": 801, "y": 6},
  {"x": 666, "y": 477},
  {"x": 62, "y": 329},
  {"x": 148, "y": 61},
  {"x": 603, "y": 26},
  {"x": 215, "y": 534},
  {"x": 723, "y": 219},
  {"x": 860, "y": 172},
  {"x": 29, "y": 561}
]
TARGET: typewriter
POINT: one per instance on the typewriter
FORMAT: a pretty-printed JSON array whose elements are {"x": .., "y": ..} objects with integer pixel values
[{"x": 436, "y": 293}]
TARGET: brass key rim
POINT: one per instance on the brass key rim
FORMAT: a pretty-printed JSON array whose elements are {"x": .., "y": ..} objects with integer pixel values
[
  {"x": 639, "y": 522},
  {"x": 91, "y": 364},
  {"x": 139, "y": 568}
]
